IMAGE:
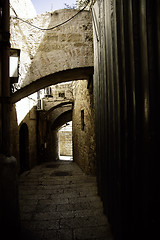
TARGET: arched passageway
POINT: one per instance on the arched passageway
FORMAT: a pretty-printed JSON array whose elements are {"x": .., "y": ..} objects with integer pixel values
[
  {"x": 24, "y": 147},
  {"x": 53, "y": 136},
  {"x": 48, "y": 125},
  {"x": 62, "y": 119}
]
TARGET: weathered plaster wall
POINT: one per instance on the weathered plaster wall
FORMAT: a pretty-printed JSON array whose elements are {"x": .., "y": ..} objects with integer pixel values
[{"x": 83, "y": 139}]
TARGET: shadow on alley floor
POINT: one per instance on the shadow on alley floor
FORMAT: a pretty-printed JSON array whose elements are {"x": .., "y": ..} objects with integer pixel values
[{"x": 58, "y": 201}]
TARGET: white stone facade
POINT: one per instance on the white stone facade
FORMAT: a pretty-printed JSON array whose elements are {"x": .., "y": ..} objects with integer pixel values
[{"x": 23, "y": 8}]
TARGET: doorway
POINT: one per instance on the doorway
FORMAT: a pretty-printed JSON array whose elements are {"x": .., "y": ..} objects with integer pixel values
[
  {"x": 24, "y": 147},
  {"x": 65, "y": 142}
]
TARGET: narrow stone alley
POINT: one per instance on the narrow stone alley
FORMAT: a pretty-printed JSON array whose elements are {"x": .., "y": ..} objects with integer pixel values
[{"x": 58, "y": 201}]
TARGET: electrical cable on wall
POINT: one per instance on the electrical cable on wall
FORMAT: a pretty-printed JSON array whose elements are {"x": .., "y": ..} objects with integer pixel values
[{"x": 48, "y": 29}]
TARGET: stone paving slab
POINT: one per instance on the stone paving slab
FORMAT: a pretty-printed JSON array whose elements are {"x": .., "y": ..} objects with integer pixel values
[{"x": 58, "y": 201}]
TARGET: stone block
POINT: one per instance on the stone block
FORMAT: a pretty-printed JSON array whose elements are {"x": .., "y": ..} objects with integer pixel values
[{"x": 100, "y": 232}]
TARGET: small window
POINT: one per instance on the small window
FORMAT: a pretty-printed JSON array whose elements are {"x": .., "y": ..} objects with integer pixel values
[
  {"x": 47, "y": 92},
  {"x": 82, "y": 120},
  {"x": 62, "y": 94}
]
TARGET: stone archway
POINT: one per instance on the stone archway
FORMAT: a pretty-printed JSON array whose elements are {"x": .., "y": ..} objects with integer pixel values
[
  {"x": 52, "y": 141},
  {"x": 24, "y": 147},
  {"x": 81, "y": 73},
  {"x": 51, "y": 57},
  {"x": 62, "y": 119}
]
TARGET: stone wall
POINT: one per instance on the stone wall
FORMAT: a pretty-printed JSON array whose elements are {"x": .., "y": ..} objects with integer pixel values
[
  {"x": 59, "y": 93},
  {"x": 24, "y": 112},
  {"x": 83, "y": 127},
  {"x": 65, "y": 143},
  {"x": 46, "y": 52},
  {"x": 63, "y": 91}
]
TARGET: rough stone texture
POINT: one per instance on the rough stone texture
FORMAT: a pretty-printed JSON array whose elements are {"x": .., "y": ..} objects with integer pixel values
[
  {"x": 44, "y": 53},
  {"x": 84, "y": 140},
  {"x": 58, "y": 201},
  {"x": 60, "y": 93},
  {"x": 65, "y": 143}
]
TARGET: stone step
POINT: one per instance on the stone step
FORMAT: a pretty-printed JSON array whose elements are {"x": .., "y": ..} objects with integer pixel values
[{"x": 58, "y": 201}]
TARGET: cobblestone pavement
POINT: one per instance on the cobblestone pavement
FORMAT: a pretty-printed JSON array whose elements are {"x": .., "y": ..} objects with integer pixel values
[{"x": 58, "y": 201}]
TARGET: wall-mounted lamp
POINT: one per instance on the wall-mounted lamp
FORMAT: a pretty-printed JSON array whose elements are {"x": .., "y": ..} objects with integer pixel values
[{"x": 14, "y": 61}]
